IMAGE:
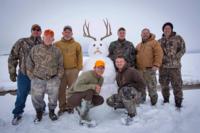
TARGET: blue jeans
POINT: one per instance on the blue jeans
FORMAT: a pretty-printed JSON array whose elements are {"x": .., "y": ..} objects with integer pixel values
[{"x": 23, "y": 88}]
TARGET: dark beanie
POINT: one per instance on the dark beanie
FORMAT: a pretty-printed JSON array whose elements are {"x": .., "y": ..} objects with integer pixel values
[
  {"x": 169, "y": 24},
  {"x": 67, "y": 28}
]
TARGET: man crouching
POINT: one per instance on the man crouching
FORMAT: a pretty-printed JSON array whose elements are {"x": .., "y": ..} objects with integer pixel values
[
  {"x": 130, "y": 84},
  {"x": 45, "y": 69},
  {"x": 84, "y": 93}
]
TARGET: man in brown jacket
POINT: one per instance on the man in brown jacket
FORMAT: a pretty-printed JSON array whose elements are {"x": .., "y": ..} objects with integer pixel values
[
  {"x": 72, "y": 58},
  {"x": 130, "y": 84},
  {"x": 149, "y": 59}
]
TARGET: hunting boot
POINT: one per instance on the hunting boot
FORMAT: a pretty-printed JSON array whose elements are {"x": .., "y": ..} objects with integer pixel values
[
  {"x": 154, "y": 100},
  {"x": 52, "y": 115},
  {"x": 178, "y": 102},
  {"x": 166, "y": 100},
  {"x": 83, "y": 111},
  {"x": 38, "y": 117}
]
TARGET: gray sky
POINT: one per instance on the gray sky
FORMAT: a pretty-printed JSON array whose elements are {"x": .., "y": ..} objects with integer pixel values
[{"x": 17, "y": 16}]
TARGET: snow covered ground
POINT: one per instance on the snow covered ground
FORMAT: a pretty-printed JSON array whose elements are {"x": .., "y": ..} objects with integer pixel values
[
  {"x": 190, "y": 71},
  {"x": 159, "y": 119}
]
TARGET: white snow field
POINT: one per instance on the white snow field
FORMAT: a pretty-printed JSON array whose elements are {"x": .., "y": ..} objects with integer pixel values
[{"x": 158, "y": 119}]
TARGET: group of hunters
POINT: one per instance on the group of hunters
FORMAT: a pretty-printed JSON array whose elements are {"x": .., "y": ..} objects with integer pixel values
[{"x": 45, "y": 67}]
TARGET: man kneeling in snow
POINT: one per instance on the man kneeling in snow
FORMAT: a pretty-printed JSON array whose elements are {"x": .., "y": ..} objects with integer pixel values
[
  {"x": 130, "y": 85},
  {"x": 84, "y": 93}
]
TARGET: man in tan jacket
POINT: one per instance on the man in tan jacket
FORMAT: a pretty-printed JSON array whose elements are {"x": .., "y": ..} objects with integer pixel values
[
  {"x": 72, "y": 58},
  {"x": 148, "y": 59}
]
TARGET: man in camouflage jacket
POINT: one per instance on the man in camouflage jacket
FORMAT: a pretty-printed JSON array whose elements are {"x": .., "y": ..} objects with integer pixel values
[
  {"x": 173, "y": 47},
  {"x": 18, "y": 57},
  {"x": 45, "y": 69},
  {"x": 122, "y": 47}
]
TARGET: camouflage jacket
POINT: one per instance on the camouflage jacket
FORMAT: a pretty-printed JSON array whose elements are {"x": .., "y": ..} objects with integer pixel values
[
  {"x": 173, "y": 50},
  {"x": 124, "y": 48},
  {"x": 45, "y": 62},
  {"x": 20, "y": 52}
]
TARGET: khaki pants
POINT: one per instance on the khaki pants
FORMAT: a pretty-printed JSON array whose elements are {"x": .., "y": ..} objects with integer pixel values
[{"x": 69, "y": 77}]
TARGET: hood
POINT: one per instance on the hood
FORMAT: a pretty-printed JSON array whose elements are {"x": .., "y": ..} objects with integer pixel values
[{"x": 152, "y": 37}]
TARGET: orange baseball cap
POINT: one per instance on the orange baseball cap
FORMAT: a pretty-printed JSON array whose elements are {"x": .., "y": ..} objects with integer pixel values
[
  {"x": 49, "y": 32},
  {"x": 99, "y": 63}
]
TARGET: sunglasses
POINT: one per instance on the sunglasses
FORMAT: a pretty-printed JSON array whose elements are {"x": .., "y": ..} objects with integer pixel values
[{"x": 36, "y": 29}]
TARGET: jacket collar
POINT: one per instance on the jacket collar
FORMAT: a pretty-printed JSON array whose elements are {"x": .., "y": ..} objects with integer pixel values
[
  {"x": 36, "y": 39},
  {"x": 172, "y": 34},
  {"x": 121, "y": 41},
  {"x": 93, "y": 72},
  {"x": 69, "y": 41},
  {"x": 123, "y": 69},
  {"x": 46, "y": 46},
  {"x": 151, "y": 37}
]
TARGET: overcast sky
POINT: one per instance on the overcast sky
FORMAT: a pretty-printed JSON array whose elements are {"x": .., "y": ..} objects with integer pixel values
[{"x": 17, "y": 16}]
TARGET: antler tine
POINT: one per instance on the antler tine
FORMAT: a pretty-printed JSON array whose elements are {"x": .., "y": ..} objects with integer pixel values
[
  {"x": 87, "y": 27},
  {"x": 106, "y": 25},
  {"x": 87, "y": 33},
  {"x": 84, "y": 34},
  {"x": 108, "y": 29}
]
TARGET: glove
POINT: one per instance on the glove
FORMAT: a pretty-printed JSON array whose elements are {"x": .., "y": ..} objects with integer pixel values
[{"x": 13, "y": 77}]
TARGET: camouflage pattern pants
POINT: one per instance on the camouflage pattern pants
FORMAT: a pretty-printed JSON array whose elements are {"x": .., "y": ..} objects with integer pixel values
[
  {"x": 68, "y": 79},
  {"x": 173, "y": 76},
  {"x": 149, "y": 76},
  {"x": 40, "y": 87},
  {"x": 127, "y": 98}
]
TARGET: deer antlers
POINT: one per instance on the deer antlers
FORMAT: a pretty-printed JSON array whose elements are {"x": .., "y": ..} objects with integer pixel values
[
  {"x": 108, "y": 29},
  {"x": 87, "y": 32}
]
